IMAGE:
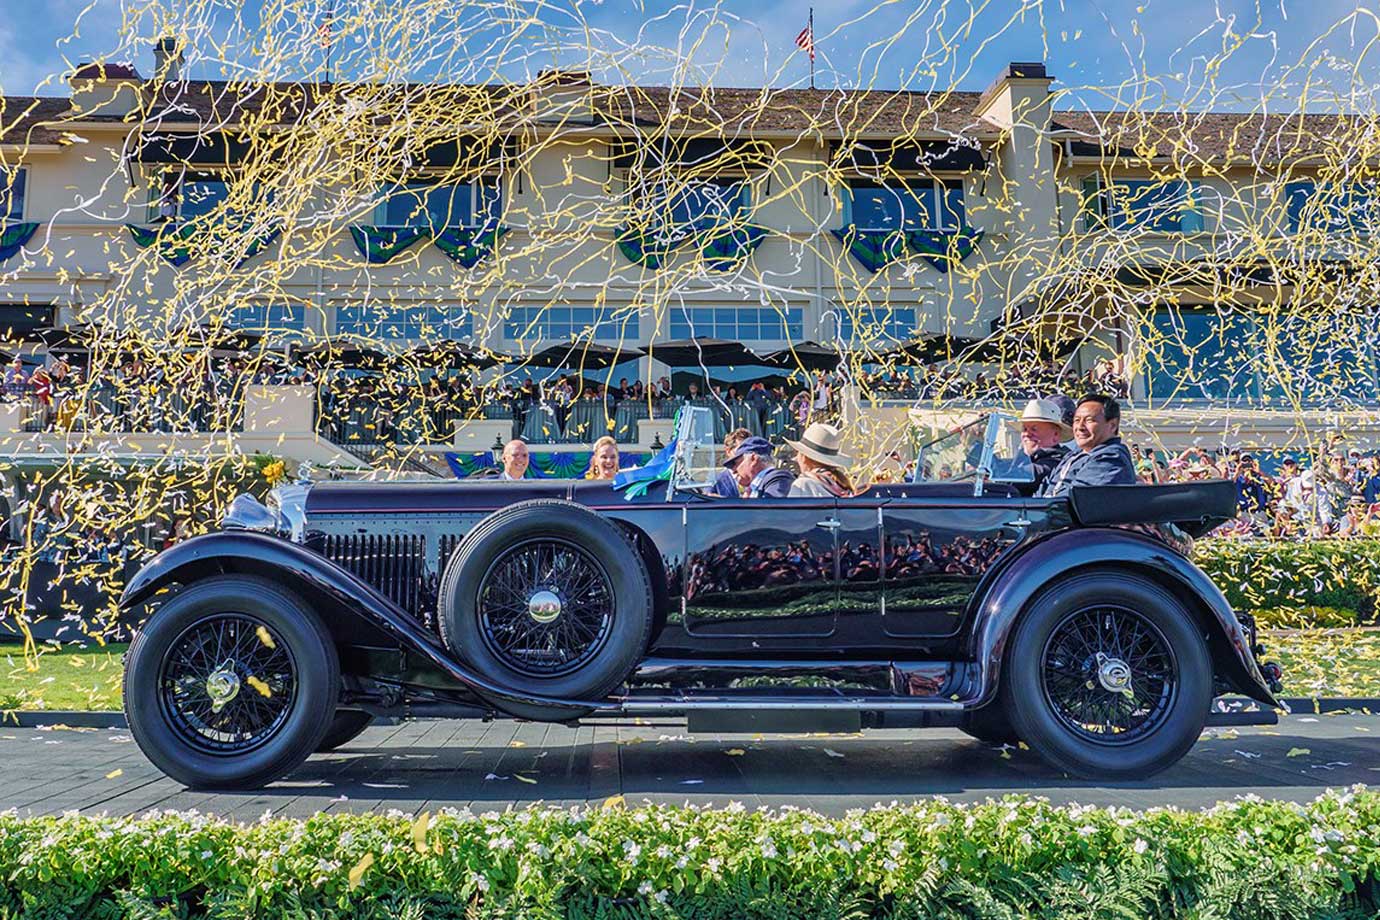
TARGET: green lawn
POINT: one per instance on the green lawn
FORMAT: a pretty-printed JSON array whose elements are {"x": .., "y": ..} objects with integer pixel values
[
  {"x": 1337, "y": 663},
  {"x": 67, "y": 678}
]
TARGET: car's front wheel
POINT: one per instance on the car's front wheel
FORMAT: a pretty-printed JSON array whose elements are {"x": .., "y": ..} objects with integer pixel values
[
  {"x": 1108, "y": 675},
  {"x": 231, "y": 684}
]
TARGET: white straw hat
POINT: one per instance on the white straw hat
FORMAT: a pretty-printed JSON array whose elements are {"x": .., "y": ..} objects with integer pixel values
[
  {"x": 1045, "y": 410},
  {"x": 820, "y": 442}
]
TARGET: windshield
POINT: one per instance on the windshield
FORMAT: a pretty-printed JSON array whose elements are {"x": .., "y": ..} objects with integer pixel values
[
  {"x": 697, "y": 455},
  {"x": 989, "y": 444}
]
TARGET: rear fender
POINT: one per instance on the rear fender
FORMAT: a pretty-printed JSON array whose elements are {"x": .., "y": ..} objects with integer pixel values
[
  {"x": 995, "y": 609},
  {"x": 278, "y": 559}
]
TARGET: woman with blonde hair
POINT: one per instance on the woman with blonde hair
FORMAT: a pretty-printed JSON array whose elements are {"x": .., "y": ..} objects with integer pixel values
[
  {"x": 603, "y": 464},
  {"x": 822, "y": 464}
]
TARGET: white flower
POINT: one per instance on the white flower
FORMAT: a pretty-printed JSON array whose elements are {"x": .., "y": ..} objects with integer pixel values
[
  {"x": 661, "y": 896},
  {"x": 663, "y": 851},
  {"x": 644, "y": 888},
  {"x": 480, "y": 881},
  {"x": 896, "y": 847},
  {"x": 889, "y": 865},
  {"x": 1140, "y": 846},
  {"x": 713, "y": 864},
  {"x": 631, "y": 850},
  {"x": 769, "y": 849}
]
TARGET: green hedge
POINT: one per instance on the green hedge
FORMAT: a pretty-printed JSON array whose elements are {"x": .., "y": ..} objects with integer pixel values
[
  {"x": 1017, "y": 857},
  {"x": 1282, "y": 574}
]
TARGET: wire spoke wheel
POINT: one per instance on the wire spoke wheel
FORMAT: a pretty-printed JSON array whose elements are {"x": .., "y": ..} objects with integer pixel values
[
  {"x": 227, "y": 683},
  {"x": 1109, "y": 675},
  {"x": 545, "y": 607}
]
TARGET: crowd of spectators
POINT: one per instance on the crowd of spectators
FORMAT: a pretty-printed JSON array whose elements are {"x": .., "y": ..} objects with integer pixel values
[
  {"x": 1008, "y": 383},
  {"x": 1334, "y": 492}
]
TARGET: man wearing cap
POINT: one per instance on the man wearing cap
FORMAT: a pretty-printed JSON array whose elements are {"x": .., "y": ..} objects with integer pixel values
[
  {"x": 1101, "y": 458},
  {"x": 755, "y": 471},
  {"x": 1042, "y": 430}
]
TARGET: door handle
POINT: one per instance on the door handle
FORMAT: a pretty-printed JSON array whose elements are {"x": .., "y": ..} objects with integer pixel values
[
  {"x": 831, "y": 524},
  {"x": 1018, "y": 522}
]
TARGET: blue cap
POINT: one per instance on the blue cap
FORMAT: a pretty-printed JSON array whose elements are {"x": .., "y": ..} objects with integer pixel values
[{"x": 753, "y": 445}]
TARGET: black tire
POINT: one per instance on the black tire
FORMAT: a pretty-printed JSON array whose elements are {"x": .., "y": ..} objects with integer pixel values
[
  {"x": 990, "y": 725},
  {"x": 1169, "y": 667},
  {"x": 345, "y": 727},
  {"x": 170, "y": 710},
  {"x": 601, "y": 624}
]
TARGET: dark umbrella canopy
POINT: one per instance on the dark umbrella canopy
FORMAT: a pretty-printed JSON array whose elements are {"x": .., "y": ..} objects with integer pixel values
[
  {"x": 344, "y": 354},
  {"x": 811, "y": 356},
  {"x": 61, "y": 336},
  {"x": 580, "y": 354},
  {"x": 939, "y": 347},
  {"x": 450, "y": 353},
  {"x": 702, "y": 352}
]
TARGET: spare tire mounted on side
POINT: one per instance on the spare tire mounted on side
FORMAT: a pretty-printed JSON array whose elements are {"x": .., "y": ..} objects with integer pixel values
[{"x": 550, "y": 598}]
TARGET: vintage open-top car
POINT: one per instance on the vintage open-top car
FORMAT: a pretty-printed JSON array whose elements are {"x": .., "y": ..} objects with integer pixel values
[{"x": 1067, "y": 623}]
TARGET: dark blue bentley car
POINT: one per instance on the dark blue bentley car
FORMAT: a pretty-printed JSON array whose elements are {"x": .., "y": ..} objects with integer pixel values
[{"x": 1068, "y": 623}]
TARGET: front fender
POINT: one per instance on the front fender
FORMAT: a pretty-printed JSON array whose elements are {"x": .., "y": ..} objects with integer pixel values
[
  {"x": 995, "y": 609},
  {"x": 273, "y": 557}
]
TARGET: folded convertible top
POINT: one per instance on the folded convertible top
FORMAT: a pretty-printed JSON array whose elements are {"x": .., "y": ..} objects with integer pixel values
[{"x": 1196, "y": 507}]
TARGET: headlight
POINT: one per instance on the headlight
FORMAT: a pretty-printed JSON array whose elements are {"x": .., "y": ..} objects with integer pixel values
[{"x": 285, "y": 513}]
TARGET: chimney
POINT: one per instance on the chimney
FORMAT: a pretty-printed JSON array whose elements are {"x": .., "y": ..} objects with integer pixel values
[{"x": 168, "y": 59}]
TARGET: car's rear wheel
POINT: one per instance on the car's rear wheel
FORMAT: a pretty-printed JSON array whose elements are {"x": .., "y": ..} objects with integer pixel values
[
  {"x": 1108, "y": 675},
  {"x": 549, "y": 598},
  {"x": 231, "y": 684},
  {"x": 345, "y": 727}
]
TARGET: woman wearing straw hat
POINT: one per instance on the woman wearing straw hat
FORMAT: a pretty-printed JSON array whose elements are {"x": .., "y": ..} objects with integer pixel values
[{"x": 822, "y": 463}]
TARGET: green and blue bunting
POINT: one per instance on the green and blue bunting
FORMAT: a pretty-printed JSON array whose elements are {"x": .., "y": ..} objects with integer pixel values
[
  {"x": 464, "y": 465},
  {"x": 14, "y": 236},
  {"x": 876, "y": 249},
  {"x": 379, "y": 245},
  {"x": 723, "y": 248},
  {"x": 174, "y": 241},
  {"x": 469, "y": 245},
  {"x": 943, "y": 248},
  {"x": 466, "y": 245},
  {"x": 658, "y": 469},
  {"x": 726, "y": 251}
]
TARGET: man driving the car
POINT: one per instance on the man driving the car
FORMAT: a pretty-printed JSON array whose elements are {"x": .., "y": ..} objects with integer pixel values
[
  {"x": 756, "y": 472},
  {"x": 1101, "y": 458}
]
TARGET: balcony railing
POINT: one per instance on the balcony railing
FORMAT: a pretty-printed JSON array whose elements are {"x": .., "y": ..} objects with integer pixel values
[{"x": 113, "y": 409}]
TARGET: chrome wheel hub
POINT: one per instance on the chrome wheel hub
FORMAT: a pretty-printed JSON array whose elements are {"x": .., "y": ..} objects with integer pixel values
[
  {"x": 544, "y": 606},
  {"x": 222, "y": 686},
  {"x": 1113, "y": 674}
]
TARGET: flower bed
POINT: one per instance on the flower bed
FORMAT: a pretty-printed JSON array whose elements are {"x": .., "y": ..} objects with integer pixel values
[{"x": 1016, "y": 857}]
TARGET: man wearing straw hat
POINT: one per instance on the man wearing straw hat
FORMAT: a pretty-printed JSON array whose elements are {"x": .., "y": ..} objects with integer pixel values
[{"x": 1042, "y": 431}]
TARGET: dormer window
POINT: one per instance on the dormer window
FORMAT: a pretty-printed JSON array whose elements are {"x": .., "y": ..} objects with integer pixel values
[
  {"x": 184, "y": 195},
  {"x": 12, "y": 183},
  {"x": 438, "y": 204},
  {"x": 906, "y": 204}
]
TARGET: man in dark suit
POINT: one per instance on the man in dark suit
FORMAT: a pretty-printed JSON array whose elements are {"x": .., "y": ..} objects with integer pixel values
[{"x": 1101, "y": 458}]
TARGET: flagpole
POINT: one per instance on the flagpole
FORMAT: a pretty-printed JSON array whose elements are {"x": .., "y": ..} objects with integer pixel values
[{"x": 812, "y": 47}]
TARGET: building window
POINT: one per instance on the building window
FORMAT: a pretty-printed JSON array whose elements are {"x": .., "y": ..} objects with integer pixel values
[
  {"x": 1331, "y": 209},
  {"x": 1233, "y": 358},
  {"x": 268, "y": 318},
  {"x": 690, "y": 205},
  {"x": 425, "y": 203},
  {"x": 180, "y": 195},
  {"x": 874, "y": 324},
  {"x": 1143, "y": 204},
  {"x": 563, "y": 323},
  {"x": 738, "y": 323},
  {"x": 12, "y": 184},
  {"x": 923, "y": 204},
  {"x": 402, "y": 322}
]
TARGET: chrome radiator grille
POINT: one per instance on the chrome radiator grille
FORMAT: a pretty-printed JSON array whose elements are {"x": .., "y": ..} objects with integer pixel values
[{"x": 394, "y": 564}]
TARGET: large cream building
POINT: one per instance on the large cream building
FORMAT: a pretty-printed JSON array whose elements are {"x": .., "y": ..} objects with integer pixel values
[{"x": 1181, "y": 244}]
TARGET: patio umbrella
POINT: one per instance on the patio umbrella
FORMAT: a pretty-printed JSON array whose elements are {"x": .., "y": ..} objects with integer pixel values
[
  {"x": 939, "y": 347},
  {"x": 345, "y": 354},
  {"x": 702, "y": 351},
  {"x": 811, "y": 356},
  {"x": 60, "y": 336},
  {"x": 450, "y": 353},
  {"x": 581, "y": 354}
]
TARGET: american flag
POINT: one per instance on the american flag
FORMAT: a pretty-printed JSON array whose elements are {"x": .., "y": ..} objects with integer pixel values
[{"x": 806, "y": 40}]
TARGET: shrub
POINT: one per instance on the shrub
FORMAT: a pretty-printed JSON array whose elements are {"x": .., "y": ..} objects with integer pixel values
[
  {"x": 1311, "y": 617},
  {"x": 1017, "y": 857},
  {"x": 1342, "y": 574}
]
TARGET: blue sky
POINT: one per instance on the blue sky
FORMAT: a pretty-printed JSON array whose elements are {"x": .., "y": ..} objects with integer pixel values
[{"x": 1155, "y": 51}]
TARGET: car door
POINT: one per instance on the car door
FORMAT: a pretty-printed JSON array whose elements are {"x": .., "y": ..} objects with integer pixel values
[
  {"x": 935, "y": 552},
  {"x": 761, "y": 567}
]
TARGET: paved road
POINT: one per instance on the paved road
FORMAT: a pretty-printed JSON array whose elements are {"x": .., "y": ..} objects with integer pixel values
[{"x": 427, "y": 765}]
